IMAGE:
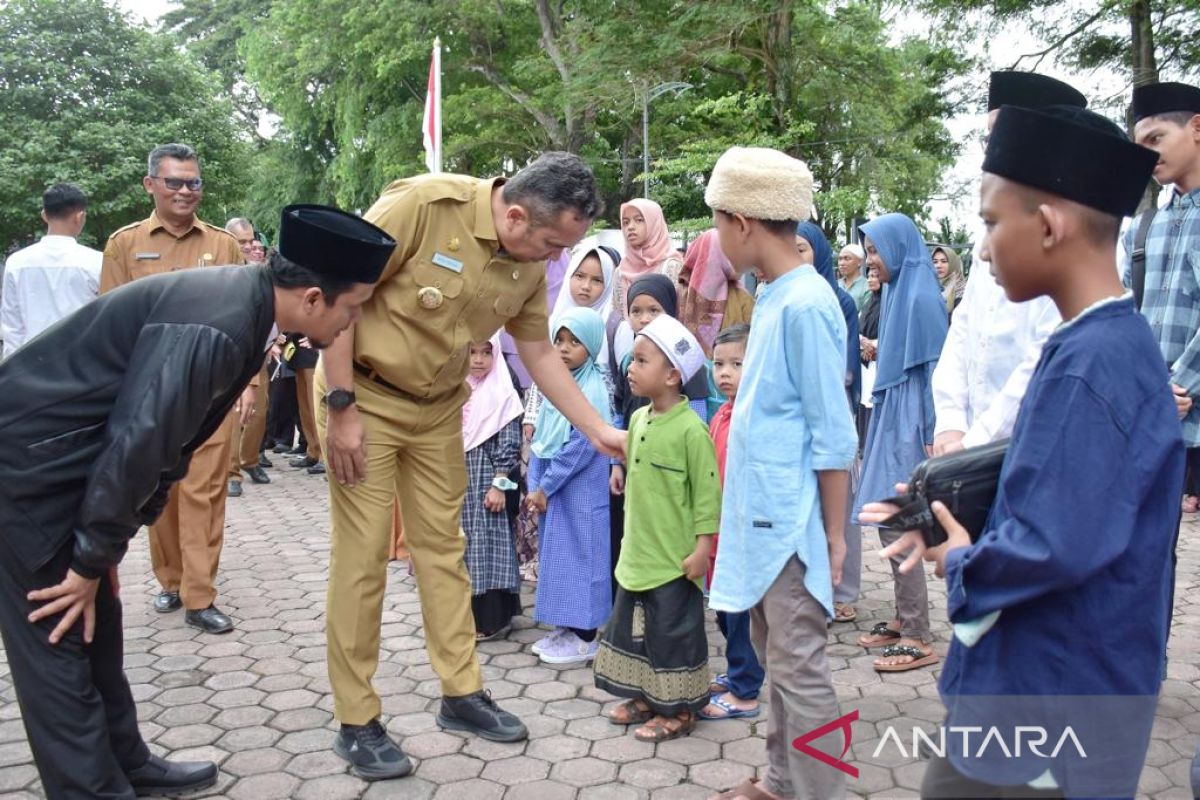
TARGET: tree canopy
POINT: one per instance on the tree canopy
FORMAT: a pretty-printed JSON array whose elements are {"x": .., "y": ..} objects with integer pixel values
[{"x": 86, "y": 95}]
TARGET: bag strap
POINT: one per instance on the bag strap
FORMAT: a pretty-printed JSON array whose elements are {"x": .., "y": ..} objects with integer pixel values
[{"x": 1138, "y": 256}]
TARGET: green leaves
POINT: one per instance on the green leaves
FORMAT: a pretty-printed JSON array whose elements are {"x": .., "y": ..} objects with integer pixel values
[{"x": 86, "y": 96}]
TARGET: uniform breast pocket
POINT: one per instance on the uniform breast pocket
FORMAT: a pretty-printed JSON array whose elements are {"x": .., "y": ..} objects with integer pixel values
[
  {"x": 508, "y": 305},
  {"x": 671, "y": 475},
  {"x": 432, "y": 286}
]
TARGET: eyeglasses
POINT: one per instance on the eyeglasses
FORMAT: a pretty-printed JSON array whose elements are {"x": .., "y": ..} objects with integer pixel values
[{"x": 175, "y": 184}]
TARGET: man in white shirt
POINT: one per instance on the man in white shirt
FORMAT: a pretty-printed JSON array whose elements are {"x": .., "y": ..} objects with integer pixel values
[
  {"x": 993, "y": 345},
  {"x": 55, "y": 277}
]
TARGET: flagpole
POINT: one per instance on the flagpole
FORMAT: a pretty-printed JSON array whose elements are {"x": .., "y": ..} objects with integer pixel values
[
  {"x": 437, "y": 68},
  {"x": 431, "y": 125}
]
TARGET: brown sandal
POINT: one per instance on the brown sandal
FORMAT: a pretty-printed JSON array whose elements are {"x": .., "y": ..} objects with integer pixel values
[
  {"x": 666, "y": 730},
  {"x": 629, "y": 713},
  {"x": 844, "y": 612},
  {"x": 880, "y": 636},
  {"x": 919, "y": 658},
  {"x": 747, "y": 789}
]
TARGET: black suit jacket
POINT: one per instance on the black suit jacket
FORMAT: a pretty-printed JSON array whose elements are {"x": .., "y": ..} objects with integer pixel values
[{"x": 100, "y": 413}]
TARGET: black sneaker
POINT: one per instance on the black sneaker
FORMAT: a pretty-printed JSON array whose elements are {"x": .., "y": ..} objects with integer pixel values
[
  {"x": 478, "y": 714},
  {"x": 373, "y": 755}
]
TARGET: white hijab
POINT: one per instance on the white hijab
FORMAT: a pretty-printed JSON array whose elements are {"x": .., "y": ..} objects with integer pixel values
[{"x": 602, "y": 305}]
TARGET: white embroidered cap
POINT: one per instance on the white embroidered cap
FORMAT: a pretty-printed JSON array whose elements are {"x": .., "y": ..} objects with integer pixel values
[{"x": 677, "y": 343}]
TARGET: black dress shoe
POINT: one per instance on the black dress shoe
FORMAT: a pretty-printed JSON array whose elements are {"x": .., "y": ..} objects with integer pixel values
[
  {"x": 299, "y": 449},
  {"x": 302, "y": 462},
  {"x": 258, "y": 475},
  {"x": 373, "y": 755},
  {"x": 209, "y": 620},
  {"x": 167, "y": 601},
  {"x": 478, "y": 713},
  {"x": 263, "y": 461},
  {"x": 316, "y": 469},
  {"x": 281, "y": 448},
  {"x": 172, "y": 778},
  {"x": 235, "y": 489}
]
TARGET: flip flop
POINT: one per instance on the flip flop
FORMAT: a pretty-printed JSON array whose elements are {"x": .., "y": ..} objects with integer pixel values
[
  {"x": 844, "y": 612},
  {"x": 731, "y": 711},
  {"x": 919, "y": 658},
  {"x": 720, "y": 684},
  {"x": 880, "y": 636}
]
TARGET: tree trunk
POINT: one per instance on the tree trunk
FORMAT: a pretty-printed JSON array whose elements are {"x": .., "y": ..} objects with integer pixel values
[{"x": 1145, "y": 71}]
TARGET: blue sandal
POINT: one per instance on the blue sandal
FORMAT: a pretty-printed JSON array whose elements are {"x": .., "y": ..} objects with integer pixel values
[{"x": 731, "y": 711}]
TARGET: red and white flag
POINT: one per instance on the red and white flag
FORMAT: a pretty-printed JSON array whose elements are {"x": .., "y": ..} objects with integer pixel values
[{"x": 432, "y": 125}]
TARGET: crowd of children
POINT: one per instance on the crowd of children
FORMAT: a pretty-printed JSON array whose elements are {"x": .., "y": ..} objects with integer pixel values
[{"x": 749, "y": 431}]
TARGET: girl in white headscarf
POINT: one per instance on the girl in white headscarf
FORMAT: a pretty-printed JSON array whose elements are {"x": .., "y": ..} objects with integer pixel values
[{"x": 587, "y": 283}]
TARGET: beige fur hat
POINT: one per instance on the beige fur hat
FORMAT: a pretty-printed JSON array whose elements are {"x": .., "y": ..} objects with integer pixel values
[{"x": 761, "y": 183}]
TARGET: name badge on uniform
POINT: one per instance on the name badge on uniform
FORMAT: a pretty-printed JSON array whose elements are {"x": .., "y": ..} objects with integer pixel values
[
  {"x": 146, "y": 256},
  {"x": 443, "y": 260}
]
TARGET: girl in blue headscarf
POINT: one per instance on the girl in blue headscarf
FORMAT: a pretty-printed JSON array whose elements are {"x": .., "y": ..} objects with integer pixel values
[
  {"x": 912, "y": 329},
  {"x": 812, "y": 244},
  {"x": 568, "y": 484},
  {"x": 809, "y": 235}
]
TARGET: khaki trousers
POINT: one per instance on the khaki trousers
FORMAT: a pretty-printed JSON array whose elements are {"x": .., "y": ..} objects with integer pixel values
[
  {"x": 414, "y": 452},
  {"x": 306, "y": 395},
  {"x": 787, "y": 629},
  {"x": 244, "y": 452},
  {"x": 185, "y": 543}
]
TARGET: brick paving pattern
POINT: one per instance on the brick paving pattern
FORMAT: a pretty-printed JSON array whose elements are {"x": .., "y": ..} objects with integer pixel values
[{"x": 258, "y": 702}]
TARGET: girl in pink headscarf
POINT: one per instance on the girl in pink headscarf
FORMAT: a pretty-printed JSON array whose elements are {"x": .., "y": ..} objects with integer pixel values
[
  {"x": 492, "y": 442},
  {"x": 711, "y": 297},
  {"x": 648, "y": 248}
]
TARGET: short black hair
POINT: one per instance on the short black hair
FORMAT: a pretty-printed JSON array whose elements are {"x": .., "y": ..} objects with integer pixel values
[
  {"x": 289, "y": 275},
  {"x": 777, "y": 227},
  {"x": 734, "y": 334},
  {"x": 1101, "y": 228},
  {"x": 1180, "y": 118},
  {"x": 179, "y": 152},
  {"x": 63, "y": 199},
  {"x": 555, "y": 182}
]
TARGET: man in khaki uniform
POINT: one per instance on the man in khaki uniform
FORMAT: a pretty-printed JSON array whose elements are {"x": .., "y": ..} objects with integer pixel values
[
  {"x": 244, "y": 453},
  {"x": 185, "y": 543},
  {"x": 470, "y": 259}
]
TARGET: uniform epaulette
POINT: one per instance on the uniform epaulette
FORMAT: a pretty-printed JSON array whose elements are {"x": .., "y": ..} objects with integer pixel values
[
  {"x": 124, "y": 228},
  {"x": 212, "y": 227},
  {"x": 438, "y": 186}
]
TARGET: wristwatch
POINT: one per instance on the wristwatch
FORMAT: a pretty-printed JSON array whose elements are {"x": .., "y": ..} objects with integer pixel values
[
  {"x": 337, "y": 399},
  {"x": 504, "y": 484}
]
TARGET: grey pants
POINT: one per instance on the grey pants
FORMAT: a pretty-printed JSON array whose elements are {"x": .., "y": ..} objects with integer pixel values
[
  {"x": 787, "y": 628},
  {"x": 847, "y": 590},
  {"x": 912, "y": 595}
]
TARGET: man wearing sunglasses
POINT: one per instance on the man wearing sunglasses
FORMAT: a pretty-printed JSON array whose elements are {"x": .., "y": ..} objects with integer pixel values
[{"x": 185, "y": 543}]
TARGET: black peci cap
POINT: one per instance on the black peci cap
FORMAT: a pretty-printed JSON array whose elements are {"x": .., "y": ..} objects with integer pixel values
[
  {"x": 1163, "y": 98},
  {"x": 1072, "y": 153},
  {"x": 334, "y": 243},
  {"x": 1031, "y": 90}
]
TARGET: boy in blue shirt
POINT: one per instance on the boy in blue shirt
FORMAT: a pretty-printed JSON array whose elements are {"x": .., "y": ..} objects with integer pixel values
[
  {"x": 1060, "y": 608},
  {"x": 791, "y": 444}
]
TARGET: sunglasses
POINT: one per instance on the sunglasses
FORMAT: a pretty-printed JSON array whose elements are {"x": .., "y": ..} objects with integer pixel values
[{"x": 175, "y": 184}]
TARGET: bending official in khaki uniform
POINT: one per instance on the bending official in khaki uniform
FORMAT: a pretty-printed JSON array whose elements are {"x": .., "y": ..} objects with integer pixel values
[
  {"x": 185, "y": 543},
  {"x": 470, "y": 258}
]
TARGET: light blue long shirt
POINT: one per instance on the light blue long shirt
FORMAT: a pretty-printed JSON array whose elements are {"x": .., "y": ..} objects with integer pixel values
[{"x": 790, "y": 420}]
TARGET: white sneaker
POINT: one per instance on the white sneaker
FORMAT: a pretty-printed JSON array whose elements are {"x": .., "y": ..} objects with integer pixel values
[
  {"x": 569, "y": 649},
  {"x": 544, "y": 642}
]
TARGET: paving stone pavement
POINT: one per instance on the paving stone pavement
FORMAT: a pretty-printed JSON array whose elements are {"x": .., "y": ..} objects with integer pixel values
[{"x": 257, "y": 701}]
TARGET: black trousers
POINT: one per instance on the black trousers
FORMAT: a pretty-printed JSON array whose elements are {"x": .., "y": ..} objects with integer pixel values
[
  {"x": 283, "y": 415},
  {"x": 943, "y": 782},
  {"x": 79, "y": 714}
]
